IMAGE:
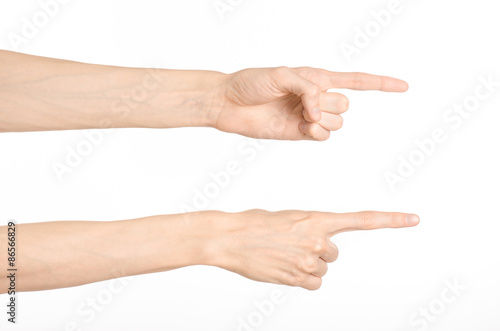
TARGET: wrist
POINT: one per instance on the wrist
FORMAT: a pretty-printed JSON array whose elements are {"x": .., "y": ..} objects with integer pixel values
[
  {"x": 207, "y": 231},
  {"x": 210, "y": 98},
  {"x": 188, "y": 98}
]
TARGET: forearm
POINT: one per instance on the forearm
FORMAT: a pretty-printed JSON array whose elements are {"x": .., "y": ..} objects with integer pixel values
[
  {"x": 38, "y": 94},
  {"x": 68, "y": 253},
  {"x": 286, "y": 247}
]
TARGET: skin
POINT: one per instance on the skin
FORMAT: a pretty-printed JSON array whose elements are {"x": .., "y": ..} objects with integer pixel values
[
  {"x": 38, "y": 94},
  {"x": 287, "y": 247}
]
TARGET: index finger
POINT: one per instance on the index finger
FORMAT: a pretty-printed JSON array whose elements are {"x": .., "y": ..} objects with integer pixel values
[
  {"x": 353, "y": 80},
  {"x": 362, "y": 81},
  {"x": 369, "y": 220}
]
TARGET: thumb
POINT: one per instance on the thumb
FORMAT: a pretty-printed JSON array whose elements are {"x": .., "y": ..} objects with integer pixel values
[{"x": 289, "y": 81}]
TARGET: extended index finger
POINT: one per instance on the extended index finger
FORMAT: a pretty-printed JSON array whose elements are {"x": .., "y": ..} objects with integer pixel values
[
  {"x": 363, "y": 81},
  {"x": 353, "y": 80},
  {"x": 369, "y": 220}
]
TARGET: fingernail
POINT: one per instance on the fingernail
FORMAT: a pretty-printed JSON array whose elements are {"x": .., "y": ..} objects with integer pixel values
[
  {"x": 406, "y": 86},
  {"x": 316, "y": 114},
  {"x": 412, "y": 219}
]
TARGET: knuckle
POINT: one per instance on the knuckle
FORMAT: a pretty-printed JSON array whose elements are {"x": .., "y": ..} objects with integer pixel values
[
  {"x": 315, "y": 130},
  {"x": 314, "y": 90},
  {"x": 293, "y": 279},
  {"x": 314, "y": 74},
  {"x": 298, "y": 280},
  {"x": 281, "y": 71},
  {"x": 308, "y": 264},
  {"x": 318, "y": 133},
  {"x": 312, "y": 214},
  {"x": 382, "y": 84},
  {"x": 367, "y": 219},
  {"x": 255, "y": 210},
  {"x": 397, "y": 220},
  {"x": 320, "y": 246},
  {"x": 289, "y": 279},
  {"x": 316, "y": 215},
  {"x": 297, "y": 215},
  {"x": 314, "y": 218},
  {"x": 357, "y": 80},
  {"x": 301, "y": 278},
  {"x": 306, "y": 72}
]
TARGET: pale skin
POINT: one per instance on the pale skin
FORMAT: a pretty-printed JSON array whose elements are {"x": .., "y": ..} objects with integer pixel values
[
  {"x": 38, "y": 94},
  {"x": 287, "y": 247}
]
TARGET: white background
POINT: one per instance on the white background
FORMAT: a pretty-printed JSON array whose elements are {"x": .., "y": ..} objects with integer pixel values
[{"x": 382, "y": 278}]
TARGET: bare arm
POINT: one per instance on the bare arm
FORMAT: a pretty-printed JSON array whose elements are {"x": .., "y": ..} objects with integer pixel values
[
  {"x": 69, "y": 253},
  {"x": 286, "y": 247},
  {"x": 39, "y": 94}
]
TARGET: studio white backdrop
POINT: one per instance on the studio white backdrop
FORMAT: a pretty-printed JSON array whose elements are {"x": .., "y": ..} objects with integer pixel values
[{"x": 433, "y": 150}]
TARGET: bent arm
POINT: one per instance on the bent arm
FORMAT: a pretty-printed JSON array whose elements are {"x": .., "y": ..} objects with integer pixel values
[{"x": 38, "y": 94}]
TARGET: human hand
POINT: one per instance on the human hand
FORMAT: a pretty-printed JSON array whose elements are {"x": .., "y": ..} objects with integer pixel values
[
  {"x": 291, "y": 103},
  {"x": 289, "y": 247}
]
